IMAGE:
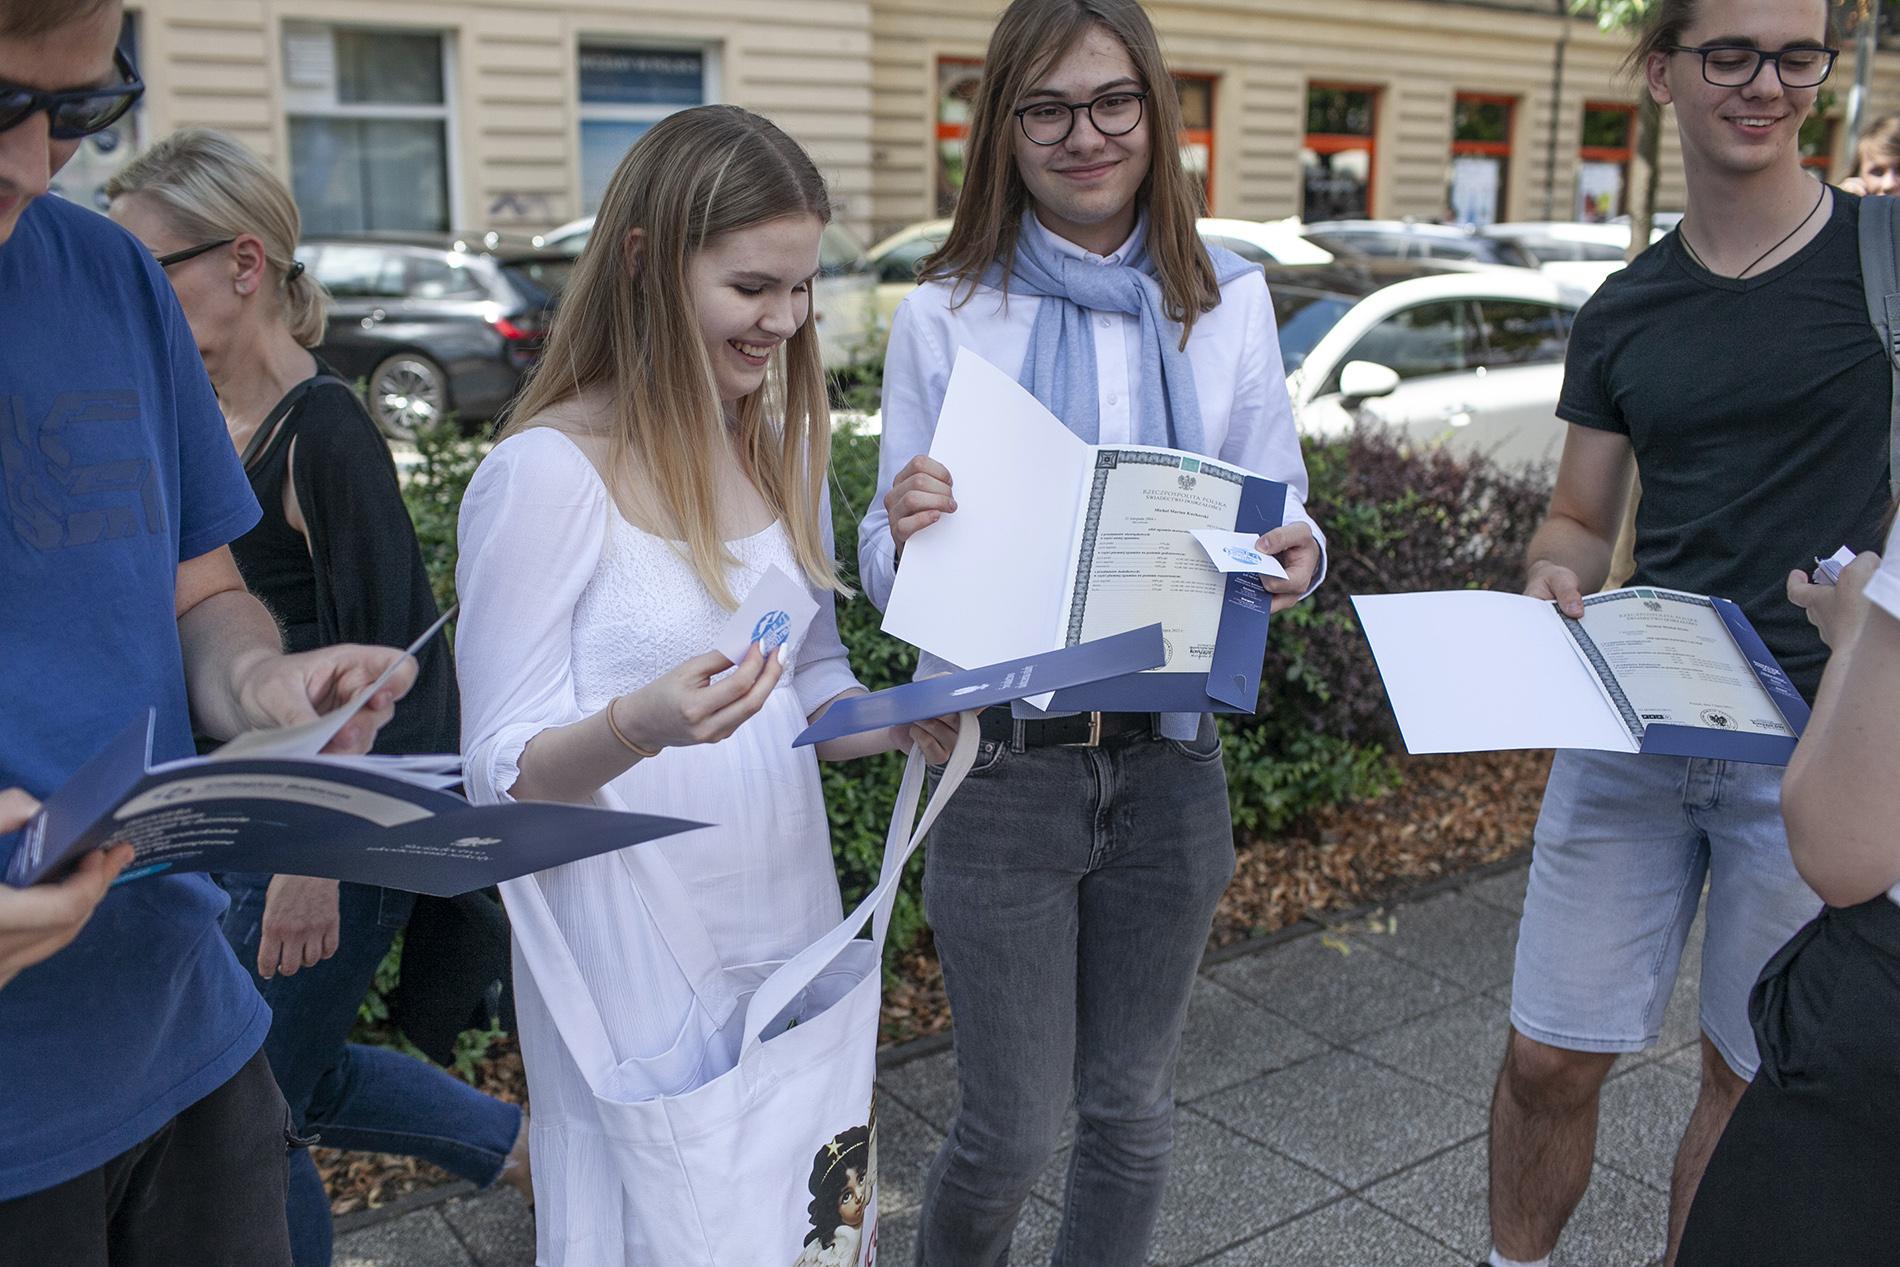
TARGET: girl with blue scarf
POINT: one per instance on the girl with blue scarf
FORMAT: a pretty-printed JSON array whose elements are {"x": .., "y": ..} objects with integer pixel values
[{"x": 1072, "y": 882}]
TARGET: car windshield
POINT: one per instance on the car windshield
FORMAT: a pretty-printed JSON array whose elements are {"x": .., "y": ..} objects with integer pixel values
[{"x": 1304, "y": 317}]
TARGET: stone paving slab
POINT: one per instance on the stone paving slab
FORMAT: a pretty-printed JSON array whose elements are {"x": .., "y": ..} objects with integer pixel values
[{"x": 1333, "y": 1096}]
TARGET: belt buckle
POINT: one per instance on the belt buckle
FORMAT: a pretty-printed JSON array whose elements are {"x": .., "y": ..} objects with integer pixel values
[{"x": 1095, "y": 734}]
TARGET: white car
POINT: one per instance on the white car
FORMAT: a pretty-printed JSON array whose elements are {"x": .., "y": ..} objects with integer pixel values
[
  {"x": 1579, "y": 255},
  {"x": 1279, "y": 241},
  {"x": 843, "y": 305},
  {"x": 1470, "y": 360}
]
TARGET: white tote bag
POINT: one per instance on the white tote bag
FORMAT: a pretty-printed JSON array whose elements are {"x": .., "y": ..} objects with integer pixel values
[{"x": 768, "y": 1157}]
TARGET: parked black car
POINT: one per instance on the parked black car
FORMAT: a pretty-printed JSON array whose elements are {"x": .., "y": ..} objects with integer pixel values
[{"x": 434, "y": 323}]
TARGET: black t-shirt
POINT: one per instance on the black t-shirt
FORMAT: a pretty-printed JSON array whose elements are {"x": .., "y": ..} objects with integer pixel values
[{"x": 1758, "y": 411}]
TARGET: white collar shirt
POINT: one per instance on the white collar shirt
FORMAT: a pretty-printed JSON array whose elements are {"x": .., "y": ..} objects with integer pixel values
[{"x": 1246, "y": 415}]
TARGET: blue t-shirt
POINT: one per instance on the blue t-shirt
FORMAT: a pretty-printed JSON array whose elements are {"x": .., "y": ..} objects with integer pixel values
[{"x": 116, "y": 467}]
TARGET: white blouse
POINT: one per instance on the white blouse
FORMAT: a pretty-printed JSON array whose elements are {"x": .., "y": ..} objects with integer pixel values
[{"x": 544, "y": 519}]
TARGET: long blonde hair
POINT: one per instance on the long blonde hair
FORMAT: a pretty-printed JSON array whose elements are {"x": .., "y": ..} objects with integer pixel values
[
  {"x": 210, "y": 186},
  {"x": 1031, "y": 37},
  {"x": 627, "y": 323}
]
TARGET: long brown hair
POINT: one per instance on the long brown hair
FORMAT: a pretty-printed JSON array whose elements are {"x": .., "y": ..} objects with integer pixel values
[
  {"x": 627, "y": 323},
  {"x": 1031, "y": 37}
]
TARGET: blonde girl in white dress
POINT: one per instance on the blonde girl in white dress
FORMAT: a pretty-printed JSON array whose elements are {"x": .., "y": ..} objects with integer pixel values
[{"x": 673, "y": 444}]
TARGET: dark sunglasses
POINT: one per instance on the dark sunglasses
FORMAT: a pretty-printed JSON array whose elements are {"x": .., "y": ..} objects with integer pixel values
[
  {"x": 192, "y": 252},
  {"x": 75, "y": 112}
]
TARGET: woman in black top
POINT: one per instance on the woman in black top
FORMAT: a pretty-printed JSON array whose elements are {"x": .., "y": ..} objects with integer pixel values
[{"x": 335, "y": 558}]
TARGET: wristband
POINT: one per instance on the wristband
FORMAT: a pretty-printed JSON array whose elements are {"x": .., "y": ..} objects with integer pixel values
[{"x": 625, "y": 742}]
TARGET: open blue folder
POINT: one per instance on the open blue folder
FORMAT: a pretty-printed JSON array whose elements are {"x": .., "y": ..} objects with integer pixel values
[
  {"x": 312, "y": 817},
  {"x": 1232, "y": 685},
  {"x": 1104, "y": 658}
]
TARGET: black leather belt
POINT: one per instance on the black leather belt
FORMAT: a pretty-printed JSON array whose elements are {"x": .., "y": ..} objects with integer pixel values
[{"x": 1083, "y": 730}]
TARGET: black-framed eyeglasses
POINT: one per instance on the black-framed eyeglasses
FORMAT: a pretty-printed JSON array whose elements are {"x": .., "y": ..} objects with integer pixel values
[
  {"x": 75, "y": 112},
  {"x": 192, "y": 252},
  {"x": 1732, "y": 66},
  {"x": 1111, "y": 114}
]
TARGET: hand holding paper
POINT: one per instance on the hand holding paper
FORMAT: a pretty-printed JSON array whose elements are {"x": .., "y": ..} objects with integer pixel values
[
  {"x": 311, "y": 737},
  {"x": 1235, "y": 552}
]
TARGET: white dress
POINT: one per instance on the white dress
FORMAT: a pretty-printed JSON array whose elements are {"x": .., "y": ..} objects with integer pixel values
[{"x": 564, "y": 606}]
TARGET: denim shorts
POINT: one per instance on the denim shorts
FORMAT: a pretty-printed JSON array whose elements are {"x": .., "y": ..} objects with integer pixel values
[{"x": 1623, "y": 845}]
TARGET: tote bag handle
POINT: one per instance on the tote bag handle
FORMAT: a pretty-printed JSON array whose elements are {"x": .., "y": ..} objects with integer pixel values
[
  {"x": 564, "y": 991},
  {"x": 802, "y": 969}
]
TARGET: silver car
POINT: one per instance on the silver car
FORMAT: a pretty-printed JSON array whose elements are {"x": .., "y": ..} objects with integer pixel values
[{"x": 1472, "y": 360}]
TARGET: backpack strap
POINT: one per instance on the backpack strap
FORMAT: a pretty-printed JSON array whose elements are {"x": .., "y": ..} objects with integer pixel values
[{"x": 1880, "y": 273}]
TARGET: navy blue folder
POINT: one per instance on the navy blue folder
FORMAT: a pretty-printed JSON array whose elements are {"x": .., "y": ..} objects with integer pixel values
[
  {"x": 310, "y": 818},
  {"x": 993, "y": 684},
  {"x": 1728, "y": 745}
]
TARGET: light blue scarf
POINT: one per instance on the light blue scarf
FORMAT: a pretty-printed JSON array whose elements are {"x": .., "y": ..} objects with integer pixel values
[{"x": 1060, "y": 368}]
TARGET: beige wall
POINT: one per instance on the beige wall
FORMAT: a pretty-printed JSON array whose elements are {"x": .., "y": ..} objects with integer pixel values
[
  {"x": 855, "y": 80},
  {"x": 514, "y": 130},
  {"x": 1419, "y": 53}
]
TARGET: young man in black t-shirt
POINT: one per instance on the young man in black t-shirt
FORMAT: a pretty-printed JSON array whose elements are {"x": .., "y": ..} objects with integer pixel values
[{"x": 1734, "y": 364}]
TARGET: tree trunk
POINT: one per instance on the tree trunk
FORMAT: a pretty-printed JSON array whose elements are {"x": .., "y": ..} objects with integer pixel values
[{"x": 1647, "y": 172}]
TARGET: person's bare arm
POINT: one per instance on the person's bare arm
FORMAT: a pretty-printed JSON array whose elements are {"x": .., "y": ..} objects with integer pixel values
[
  {"x": 572, "y": 762},
  {"x": 1570, "y": 555},
  {"x": 37, "y": 922},
  {"x": 238, "y": 678},
  {"x": 1840, "y": 797}
]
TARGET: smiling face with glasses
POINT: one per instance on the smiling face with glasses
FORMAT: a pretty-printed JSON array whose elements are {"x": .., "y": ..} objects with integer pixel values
[
  {"x": 57, "y": 88},
  {"x": 1743, "y": 76},
  {"x": 1082, "y": 142}
]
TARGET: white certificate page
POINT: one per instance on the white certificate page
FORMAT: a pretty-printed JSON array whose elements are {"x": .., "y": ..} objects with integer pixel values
[
  {"x": 1136, "y": 560},
  {"x": 1670, "y": 659}
]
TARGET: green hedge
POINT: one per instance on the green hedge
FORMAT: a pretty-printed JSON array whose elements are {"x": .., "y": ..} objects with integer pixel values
[{"x": 1396, "y": 520}]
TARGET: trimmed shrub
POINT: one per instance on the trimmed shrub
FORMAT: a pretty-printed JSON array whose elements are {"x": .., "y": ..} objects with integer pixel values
[{"x": 1396, "y": 520}]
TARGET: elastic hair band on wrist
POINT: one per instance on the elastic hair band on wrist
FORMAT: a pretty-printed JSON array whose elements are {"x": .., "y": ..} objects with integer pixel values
[{"x": 625, "y": 742}]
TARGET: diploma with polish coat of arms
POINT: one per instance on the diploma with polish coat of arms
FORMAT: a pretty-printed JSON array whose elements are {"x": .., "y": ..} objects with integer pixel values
[
  {"x": 1057, "y": 543},
  {"x": 1645, "y": 670}
]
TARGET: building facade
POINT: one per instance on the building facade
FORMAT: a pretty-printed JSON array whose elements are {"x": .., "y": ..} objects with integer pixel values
[{"x": 510, "y": 114}]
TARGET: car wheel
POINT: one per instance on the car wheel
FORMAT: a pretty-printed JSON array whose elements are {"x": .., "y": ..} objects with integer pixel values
[{"x": 405, "y": 392}]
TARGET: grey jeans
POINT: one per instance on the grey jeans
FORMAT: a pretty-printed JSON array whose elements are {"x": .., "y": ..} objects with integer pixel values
[{"x": 1071, "y": 891}]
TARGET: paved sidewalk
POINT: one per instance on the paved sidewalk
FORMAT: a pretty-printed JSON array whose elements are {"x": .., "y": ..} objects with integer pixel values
[{"x": 1333, "y": 1091}]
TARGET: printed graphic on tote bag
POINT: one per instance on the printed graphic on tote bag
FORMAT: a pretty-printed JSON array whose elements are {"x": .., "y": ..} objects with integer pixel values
[{"x": 844, "y": 1201}]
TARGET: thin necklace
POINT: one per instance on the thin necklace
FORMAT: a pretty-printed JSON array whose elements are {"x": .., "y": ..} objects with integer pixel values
[{"x": 1765, "y": 254}]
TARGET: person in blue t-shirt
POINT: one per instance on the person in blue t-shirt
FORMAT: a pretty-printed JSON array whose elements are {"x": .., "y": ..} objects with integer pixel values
[{"x": 139, "y": 1118}]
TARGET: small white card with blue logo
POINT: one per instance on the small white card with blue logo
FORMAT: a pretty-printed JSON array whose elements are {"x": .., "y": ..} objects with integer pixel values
[
  {"x": 777, "y": 611},
  {"x": 1234, "y": 552}
]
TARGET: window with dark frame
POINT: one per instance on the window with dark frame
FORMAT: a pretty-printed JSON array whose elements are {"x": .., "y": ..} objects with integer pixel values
[
  {"x": 1337, "y": 155},
  {"x": 1478, "y": 184},
  {"x": 624, "y": 90},
  {"x": 1603, "y": 161}
]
